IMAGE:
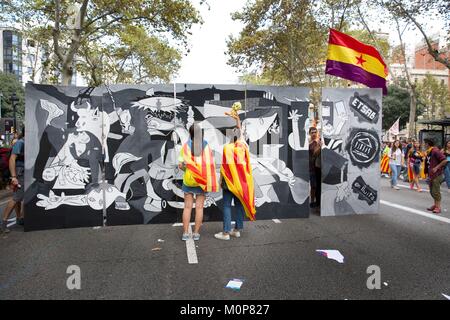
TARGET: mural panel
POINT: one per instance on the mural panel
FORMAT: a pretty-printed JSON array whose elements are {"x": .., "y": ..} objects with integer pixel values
[
  {"x": 108, "y": 155},
  {"x": 351, "y": 150}
]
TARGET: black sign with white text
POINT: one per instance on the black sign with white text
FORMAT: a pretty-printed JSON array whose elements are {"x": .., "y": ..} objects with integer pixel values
[{"x": 365, "y": 108}]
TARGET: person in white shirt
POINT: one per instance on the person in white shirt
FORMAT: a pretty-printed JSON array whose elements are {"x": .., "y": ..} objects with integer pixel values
[{"x": 396, "y": 162}]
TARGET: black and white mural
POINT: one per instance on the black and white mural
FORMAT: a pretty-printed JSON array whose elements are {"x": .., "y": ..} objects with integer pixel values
[
  {"x": 351, "y": 129},
  {"x": 108, "y": 155}
]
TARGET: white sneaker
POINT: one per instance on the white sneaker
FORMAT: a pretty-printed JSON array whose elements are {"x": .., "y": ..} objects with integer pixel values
[
  {"x": 222, "y": 236},
  {"x": 185, "y": 237},
  {"x": 235, "y": 234},
  {"x": 396, "y": 188}
]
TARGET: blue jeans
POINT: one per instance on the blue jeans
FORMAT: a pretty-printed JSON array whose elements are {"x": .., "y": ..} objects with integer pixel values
[
  {"x": 447, "y": 174},
  {"x": 395, "y": 172},
  {"x": 227, "y": 197}
]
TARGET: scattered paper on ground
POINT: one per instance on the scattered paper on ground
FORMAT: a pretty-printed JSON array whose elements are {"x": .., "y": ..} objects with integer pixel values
[
  {"x": 156, "y": 249},
  {"x": 160, "y": 240},
  {"x": 276, "y": 220},
  {"x": 235, "y": 284},
  {"x": 385, "y": 283},
  {"x": 95, "y": 228},
  {"x": 446, "y": 296},
  {"x": 332, "y": 254}
]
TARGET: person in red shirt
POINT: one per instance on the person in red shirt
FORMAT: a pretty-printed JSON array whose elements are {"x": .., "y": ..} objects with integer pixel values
[{"x": 436, "y": 162}]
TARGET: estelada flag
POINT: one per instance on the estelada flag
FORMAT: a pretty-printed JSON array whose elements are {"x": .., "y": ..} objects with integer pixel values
[
  {"x": 203, "y": 168},
  {"x": 237, "y": 173},
  {"x": 353, "y": 60}
]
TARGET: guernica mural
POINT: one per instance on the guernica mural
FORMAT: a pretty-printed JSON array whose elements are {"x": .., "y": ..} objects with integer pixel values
[
  {"x": 351, "y": 126},
  {"x": 108, "y": 155}
]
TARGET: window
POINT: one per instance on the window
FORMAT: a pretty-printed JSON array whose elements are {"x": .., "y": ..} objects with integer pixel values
[{"x": 15, "y": 40}]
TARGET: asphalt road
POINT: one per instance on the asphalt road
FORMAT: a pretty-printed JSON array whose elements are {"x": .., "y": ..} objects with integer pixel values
[{"x": 275, "y": 260}]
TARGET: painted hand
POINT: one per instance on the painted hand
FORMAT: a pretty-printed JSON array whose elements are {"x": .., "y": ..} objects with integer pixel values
[
  {"x": 343, "y": 191},
  {"x": 51, "y": 202},
  {"x": 294, "y": 116},
  {"x": 209, "y": 201}
]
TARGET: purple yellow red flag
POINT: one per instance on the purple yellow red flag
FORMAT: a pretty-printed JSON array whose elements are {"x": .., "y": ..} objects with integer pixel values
[
  {"x": 353, "y": 60},
  {"x": 203, "y": 168},
  {"x": 237, "y": 172}
]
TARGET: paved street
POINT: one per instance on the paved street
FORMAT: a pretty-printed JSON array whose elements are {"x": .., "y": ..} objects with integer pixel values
[{"x": 275, "y": 260}]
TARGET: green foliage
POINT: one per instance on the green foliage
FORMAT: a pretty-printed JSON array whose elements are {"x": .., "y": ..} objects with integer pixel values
[
  {"x": 397, "y": 104},
  {"x": 434, "y": 96},
  {"x": 280, "y": 39},
  {"x": 285, "y": 42},
  {"x": 8, "y": 85},
  {"x": 127, "y": 40}
]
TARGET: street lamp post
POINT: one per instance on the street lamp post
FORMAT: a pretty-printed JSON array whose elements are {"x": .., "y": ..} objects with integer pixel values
[
  {"x": 14, "y": 101},
  {"x": 1, "y": 96}
]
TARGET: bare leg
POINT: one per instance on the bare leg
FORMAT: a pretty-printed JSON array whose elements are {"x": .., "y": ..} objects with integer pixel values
[
  {"x": 199, "y": 201},
  {"x": 8, "y": 209},
  {"x": 188, "y": 201},
  {"x": 416, "y": 180},
  {"x": 19, "y": 210}
]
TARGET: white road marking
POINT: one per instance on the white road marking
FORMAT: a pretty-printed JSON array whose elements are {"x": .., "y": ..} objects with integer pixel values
[
  {"x": 190, "y": 248},
  {"x": 407, "y": 187},
  {"x": 179, "y": 224},
  {"x": 190, "y": 244},
  {"x": 276, "y": 220},
  {"x": 415, "y": 211}
]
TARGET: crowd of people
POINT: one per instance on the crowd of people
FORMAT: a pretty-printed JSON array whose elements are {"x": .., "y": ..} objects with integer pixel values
[{"x": 413, "y": 161}]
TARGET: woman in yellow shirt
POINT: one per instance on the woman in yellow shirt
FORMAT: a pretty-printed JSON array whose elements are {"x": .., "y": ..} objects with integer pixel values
[{"x": 197, "y": 161}]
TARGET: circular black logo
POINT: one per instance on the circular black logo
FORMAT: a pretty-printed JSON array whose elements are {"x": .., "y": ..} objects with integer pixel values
[{"x": 363, "y": 148}]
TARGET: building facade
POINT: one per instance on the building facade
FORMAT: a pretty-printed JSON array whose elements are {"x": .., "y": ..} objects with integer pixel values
[{"x": 24, "y": 58}]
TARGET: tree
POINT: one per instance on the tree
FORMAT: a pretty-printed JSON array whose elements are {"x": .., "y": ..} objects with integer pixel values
[
  {"x": 281, "y": 40},
  {"x": 9, "y": 85},
  {"x": 396, "y": 104},
  {"x": 414, "y": 11},
  {"x": 285, "y": 42},
  {"x": 85, "y": 32},
  {"x": 434, "y": 96}
]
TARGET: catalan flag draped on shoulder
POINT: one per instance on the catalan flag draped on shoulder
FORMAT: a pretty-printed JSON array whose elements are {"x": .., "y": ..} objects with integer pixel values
[
  {"x": 384, "y": 164},
  {"x": 200, "y": 171},
  {"x": 353, "y": 60},
  {"x": 237, "y": 173}
]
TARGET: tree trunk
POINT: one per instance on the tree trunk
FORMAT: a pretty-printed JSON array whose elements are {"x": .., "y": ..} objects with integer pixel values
[
  {"x": 412, "y": 115},
  {"x": 67, "y": 74}
]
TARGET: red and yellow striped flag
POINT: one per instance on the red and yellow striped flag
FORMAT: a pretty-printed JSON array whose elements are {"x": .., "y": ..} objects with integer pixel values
[
  {"x": 353, "y": 60},
  {"x": 384, "y": 164},
  {"x": 203, "y": 168},
  {"x": 237, "y": 172}
]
